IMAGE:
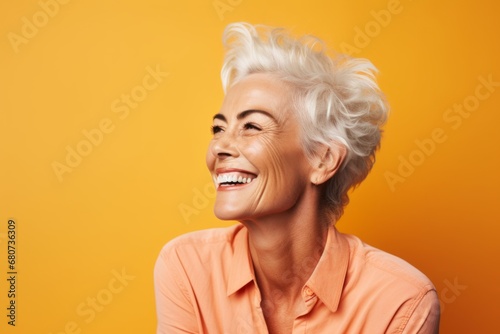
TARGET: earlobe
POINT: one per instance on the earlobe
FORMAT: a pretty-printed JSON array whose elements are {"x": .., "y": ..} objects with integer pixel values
[{"x": 328, "y": 162}]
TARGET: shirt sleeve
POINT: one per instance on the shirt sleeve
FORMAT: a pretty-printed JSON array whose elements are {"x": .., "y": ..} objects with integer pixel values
[
  {"x": 419, "y": 315},
  {"x": 425, "y": 317},
  {"x": 174, "y": 307}
]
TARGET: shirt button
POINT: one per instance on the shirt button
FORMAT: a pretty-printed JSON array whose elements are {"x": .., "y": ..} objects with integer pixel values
[{"x": 308, "y": 291}]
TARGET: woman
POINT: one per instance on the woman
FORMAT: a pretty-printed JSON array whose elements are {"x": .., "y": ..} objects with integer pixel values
[{"x": 295, "y": 132}]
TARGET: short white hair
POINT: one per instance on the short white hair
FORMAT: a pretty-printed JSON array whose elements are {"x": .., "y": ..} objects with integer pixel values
[{"x": 336, "y": 99}]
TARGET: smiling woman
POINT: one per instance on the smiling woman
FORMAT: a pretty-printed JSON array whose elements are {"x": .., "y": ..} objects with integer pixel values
[{"x": 295, "y": 132}]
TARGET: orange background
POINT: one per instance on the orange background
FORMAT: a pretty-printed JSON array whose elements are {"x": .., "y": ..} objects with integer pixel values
[{"x": 144, "y": 180}]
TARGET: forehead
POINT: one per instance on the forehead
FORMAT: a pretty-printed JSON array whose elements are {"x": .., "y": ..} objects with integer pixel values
[{"x": 259, "y": 91}]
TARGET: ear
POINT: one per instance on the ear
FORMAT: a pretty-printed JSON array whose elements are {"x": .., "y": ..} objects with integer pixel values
[{"x": 327, "y": 162}]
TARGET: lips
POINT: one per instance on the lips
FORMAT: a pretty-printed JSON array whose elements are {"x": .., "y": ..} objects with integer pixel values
[{"x": 231, "y": 178}]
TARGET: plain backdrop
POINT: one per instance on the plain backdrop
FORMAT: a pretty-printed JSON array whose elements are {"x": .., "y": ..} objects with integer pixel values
[{"x": 105, "y": 114}]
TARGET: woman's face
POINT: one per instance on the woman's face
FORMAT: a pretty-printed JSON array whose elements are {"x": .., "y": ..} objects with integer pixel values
[{"x": 255, "y": 157}]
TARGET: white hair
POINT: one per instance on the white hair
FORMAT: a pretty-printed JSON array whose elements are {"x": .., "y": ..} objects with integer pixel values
[{"x": 337, "y": 100}]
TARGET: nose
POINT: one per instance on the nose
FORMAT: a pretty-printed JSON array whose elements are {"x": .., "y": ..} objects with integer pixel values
[{"x": 224, "y": 146}]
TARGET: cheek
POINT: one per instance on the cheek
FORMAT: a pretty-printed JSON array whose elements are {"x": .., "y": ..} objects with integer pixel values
[
  {"x": 265, "y": 153},
  {"x": 277, "y": 161}
]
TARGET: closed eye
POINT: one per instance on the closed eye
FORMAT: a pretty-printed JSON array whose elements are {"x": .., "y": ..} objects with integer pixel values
[
  {"x": 216, "y": 129},
  {"x": 251, "y": 126}
]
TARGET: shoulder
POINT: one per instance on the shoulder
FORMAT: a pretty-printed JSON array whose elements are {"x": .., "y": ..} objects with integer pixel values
[
  {"x": 189, "y": 273},
  {"x": 366, "y": 259},
  {"x": 196, "y": 262},
  {"x": 388, "y": 284}
]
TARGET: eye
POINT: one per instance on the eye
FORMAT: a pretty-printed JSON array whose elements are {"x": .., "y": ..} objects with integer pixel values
[
  {"x": 251, "y": 126},
  {"x": 216, "y": 129}
]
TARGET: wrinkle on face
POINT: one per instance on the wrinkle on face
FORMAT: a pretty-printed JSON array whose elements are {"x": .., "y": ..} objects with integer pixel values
[{"x": 275, "y": 151}]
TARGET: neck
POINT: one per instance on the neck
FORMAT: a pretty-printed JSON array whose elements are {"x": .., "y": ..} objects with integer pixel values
[{"x": 285, "y": 250}]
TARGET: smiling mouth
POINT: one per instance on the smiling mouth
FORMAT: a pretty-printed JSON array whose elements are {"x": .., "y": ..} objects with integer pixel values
[{"x": 233, "y": 179}]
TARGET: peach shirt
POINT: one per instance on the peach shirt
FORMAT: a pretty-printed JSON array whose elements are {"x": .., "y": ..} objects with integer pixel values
[{"x": 204, "y": 283}]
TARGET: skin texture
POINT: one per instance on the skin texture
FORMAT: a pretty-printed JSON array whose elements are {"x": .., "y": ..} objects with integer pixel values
[{"x": 257, "y": 134}]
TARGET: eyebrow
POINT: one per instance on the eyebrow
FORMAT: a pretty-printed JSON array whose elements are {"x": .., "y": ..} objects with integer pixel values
[{"x": 244, "y": 114}]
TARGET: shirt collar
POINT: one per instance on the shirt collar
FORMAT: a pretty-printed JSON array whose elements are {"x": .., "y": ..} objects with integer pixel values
[
  {"x": 241, "y": 272},
  {"x": 327, "y": 279}
]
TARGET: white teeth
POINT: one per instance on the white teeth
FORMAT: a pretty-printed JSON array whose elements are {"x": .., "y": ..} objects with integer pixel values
[{"x": 225, "y": 178}]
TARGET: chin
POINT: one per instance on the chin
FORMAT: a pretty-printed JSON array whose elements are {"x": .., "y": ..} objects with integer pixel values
[
  {"x": 229, "y": 212},
  {"x": 223, "y": 214}
]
